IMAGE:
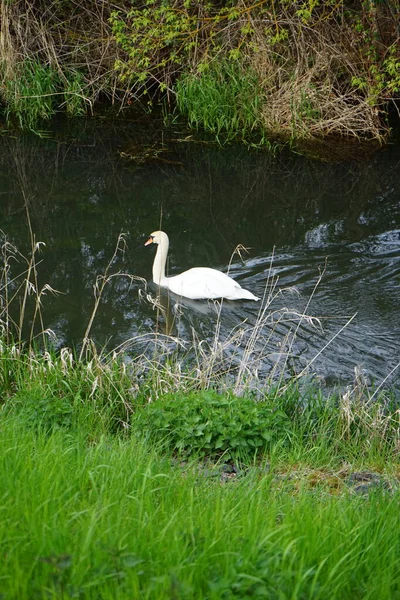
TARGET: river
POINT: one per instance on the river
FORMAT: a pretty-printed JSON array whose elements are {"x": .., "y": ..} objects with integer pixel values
[{"x": 323, "y": 241}]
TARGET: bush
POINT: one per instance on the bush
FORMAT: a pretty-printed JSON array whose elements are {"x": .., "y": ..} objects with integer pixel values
[{"x": 212, "y": 425}]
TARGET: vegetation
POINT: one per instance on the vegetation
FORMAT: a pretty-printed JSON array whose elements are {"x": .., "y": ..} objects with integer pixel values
[
  {"x": 93, "y": 508},
  {"x": 211, "y": 425},
  {"x": 264, "y": 71}
]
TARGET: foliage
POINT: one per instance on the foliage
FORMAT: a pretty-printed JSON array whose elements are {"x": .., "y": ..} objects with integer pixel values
[
  {"x": 161, "y": 39},
  {"x": 152, "y": 37},
  {"x": 315, "y": 69},
  {"x": 213, "y": 425}
]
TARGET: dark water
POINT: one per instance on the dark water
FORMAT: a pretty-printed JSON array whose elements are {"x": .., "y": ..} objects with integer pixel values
[{"x": 299, "y": 217}]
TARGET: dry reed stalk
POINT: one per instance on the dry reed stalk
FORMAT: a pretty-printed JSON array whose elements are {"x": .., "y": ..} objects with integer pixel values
[
  {"x": 31, "y": 281},
  {"x": 307, "y": 81},
  {"x": 359, "y": 409},
  {"x": 7, "y": 50},
  {"x": 7, "y": 250},
  {"x": 17, "y": 290},
  {"x": 100, "y": 284}
]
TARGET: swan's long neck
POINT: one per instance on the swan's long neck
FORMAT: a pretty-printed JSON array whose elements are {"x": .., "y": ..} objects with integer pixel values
[{"x": 160, "y": 260}]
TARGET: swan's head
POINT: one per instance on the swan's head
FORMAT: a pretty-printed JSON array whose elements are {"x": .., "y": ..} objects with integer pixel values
[{"x": 158, "y": 237}]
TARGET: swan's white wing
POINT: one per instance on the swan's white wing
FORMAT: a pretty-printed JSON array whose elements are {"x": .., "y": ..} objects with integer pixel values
[{"x": 203, "y": 282}]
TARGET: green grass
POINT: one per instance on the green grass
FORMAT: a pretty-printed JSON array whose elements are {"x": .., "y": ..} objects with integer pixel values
[
  {"x": 85, "y": 514},
  {"x": 224, "y": 100},
  {"x": 35, "y": 92}
]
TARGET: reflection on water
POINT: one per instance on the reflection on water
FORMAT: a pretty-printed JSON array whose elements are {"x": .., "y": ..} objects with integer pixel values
[{"x": 297, "y": 217}]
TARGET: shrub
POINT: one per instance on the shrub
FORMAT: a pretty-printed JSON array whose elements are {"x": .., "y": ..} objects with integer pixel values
[{"x": 212, "y": 425}]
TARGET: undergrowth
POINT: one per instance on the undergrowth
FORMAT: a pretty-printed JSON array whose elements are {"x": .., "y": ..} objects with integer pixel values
[
  {"x": 206, "y": 424},
  {"x": 289, "y": 71},
  {"x": 282, "y": 71}
]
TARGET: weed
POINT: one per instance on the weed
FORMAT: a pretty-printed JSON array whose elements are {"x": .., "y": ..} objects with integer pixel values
[
  {"x": 206, "y": 423},
  {"x": 44, "y": 409}
]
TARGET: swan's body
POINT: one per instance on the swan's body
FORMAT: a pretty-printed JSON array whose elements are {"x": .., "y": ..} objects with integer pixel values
[{"x": 199, "y": 283}]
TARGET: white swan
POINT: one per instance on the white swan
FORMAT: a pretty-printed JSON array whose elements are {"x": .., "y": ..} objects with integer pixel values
[{"x": 199, "y": 283}]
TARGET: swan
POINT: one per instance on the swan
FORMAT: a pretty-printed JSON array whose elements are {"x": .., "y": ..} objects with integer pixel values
[{"x": 199, "y": 283}]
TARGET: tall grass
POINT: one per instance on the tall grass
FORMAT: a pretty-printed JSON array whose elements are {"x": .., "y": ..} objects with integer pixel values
[
  {"x": 30, "y": 94},
  {"x": 20, "y": 295},
  {"x": 87, "y": 515},
  {"x": 224, "y": 99},
  {"x": 34, "y": 92}
]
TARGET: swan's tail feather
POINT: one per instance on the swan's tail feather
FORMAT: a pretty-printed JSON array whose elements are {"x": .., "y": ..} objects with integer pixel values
[
  {"x": 245, "y": 295},
  {"x": 251, "y": 296}
]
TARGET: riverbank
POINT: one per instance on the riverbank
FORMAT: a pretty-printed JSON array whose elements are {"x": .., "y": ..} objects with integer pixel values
[
  {"x": 111, "y": 489},
  {"x": 267, "y": 73}
]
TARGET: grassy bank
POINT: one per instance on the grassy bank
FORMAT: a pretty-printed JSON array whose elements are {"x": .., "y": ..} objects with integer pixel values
[
  {"x": 260, "y": 72},
  {"x": 97, "y": 507},
  {"x": 112, "y": 489}
]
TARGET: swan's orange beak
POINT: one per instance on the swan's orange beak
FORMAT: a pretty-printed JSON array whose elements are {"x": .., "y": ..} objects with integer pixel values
[{"x": 149, "y": 241}]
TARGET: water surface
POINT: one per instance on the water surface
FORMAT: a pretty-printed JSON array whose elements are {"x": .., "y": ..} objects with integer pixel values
[{"x": 91, "y": 179}]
